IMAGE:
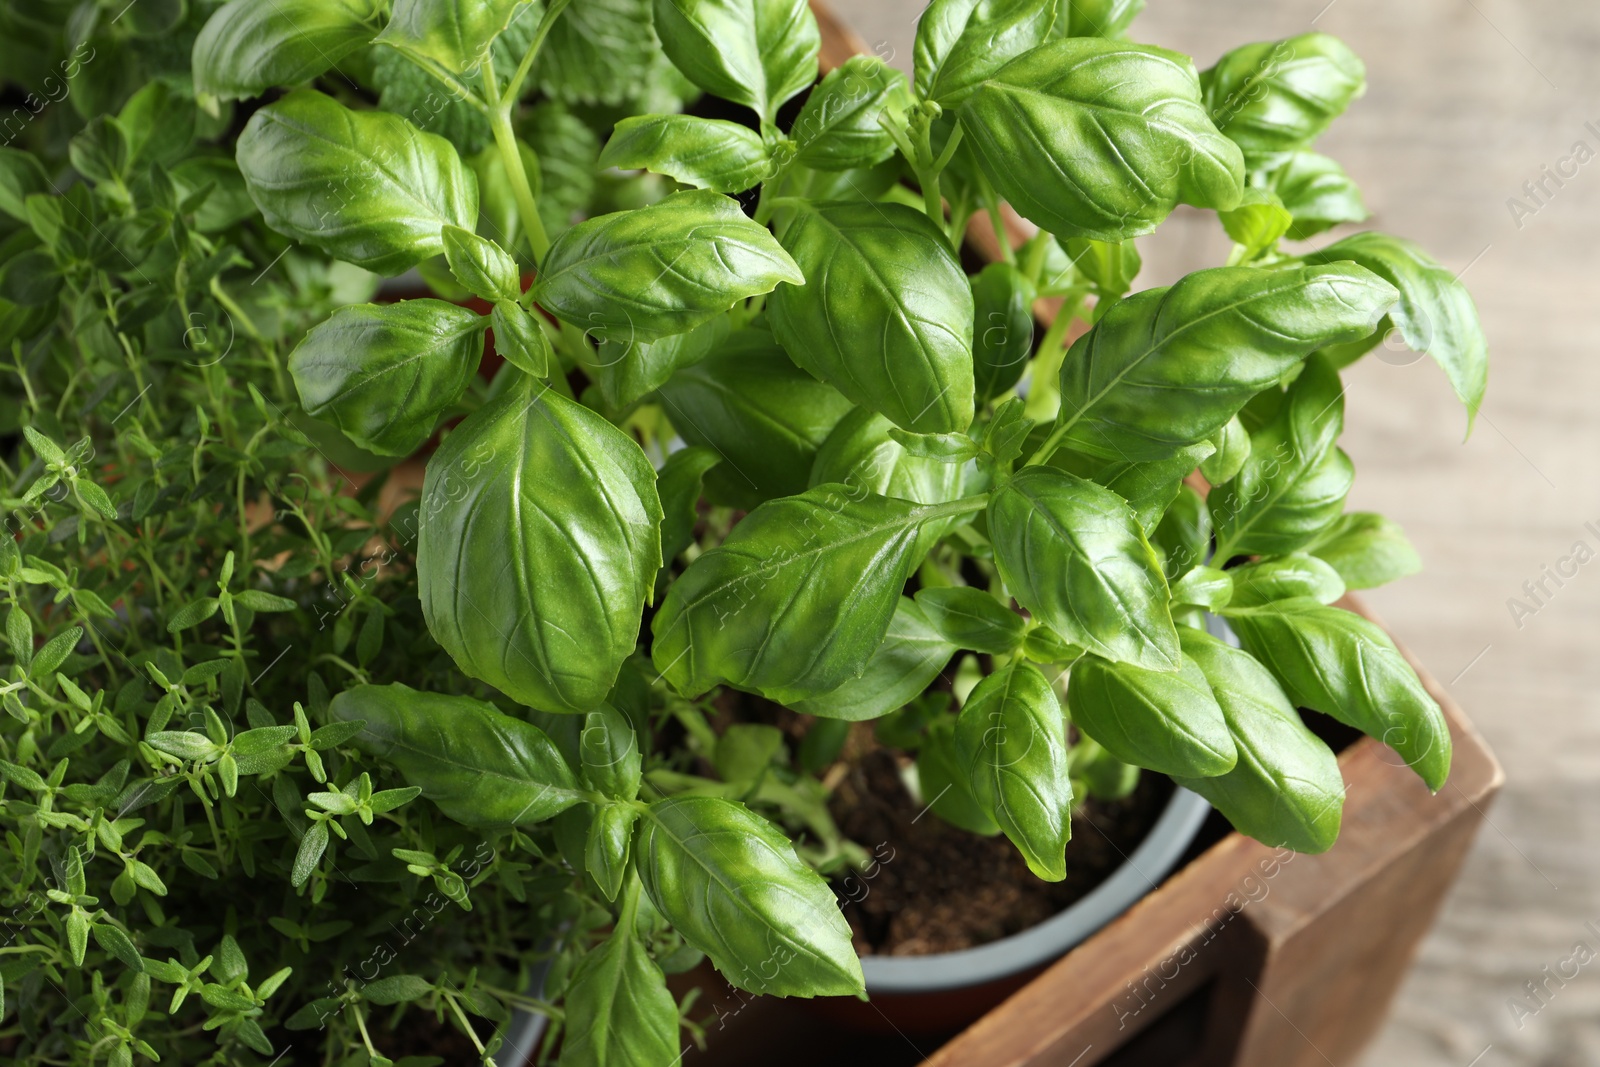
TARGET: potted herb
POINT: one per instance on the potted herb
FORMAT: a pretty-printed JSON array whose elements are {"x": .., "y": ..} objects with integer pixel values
[{"x": 754, "y": 469}]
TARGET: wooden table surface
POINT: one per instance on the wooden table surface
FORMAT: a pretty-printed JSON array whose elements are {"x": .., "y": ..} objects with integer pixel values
[{"x": 1467, "y": 101}]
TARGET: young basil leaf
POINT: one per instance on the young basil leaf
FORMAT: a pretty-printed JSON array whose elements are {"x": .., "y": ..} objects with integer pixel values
[
  {"x": 1011, "y": 738},
  {"x": 1295, "y": 480},
  {"x": 249, "y": 46},
  {"x": 971, "y": 618},
  {"x": 450, "y": 40},
  {"x": 1111, "y": 266},
  {"x": 714, "y": 154},
  {"x": 609, "y": 751},
  {"x": 1336, "y": 662},
  {"x": 1073, "y": 554},
  {"x": 1095, "y": 18},
  {"x": 1204, "y": 587},
  {"x": 1043, "y": 645},
  {"x": 364, "y": 186},
  {"x": 1232, "y": 444},
  {"x": 1286, "y": 789},
  {"x": 1149, "y": 488},
  {"x": 606, "y": 852},
  {"x": 678, "y": 483},
  {"x": 21, "y": 176},
  {"x": 731, "y": 884},
  {"x": 838, "y": 127},
  {"x": 1166, "y": 721},
  {"x": 887, "y": 264},
  {"x": 480, "y": 265},
  {"x": 1284, "y": 578},
  {"x": 862, "y": 452},
  {"x": 754, "y": 52},
  {"x": 1093, "y": 138},
  {"x": 960, "y": 43},
  {"x": 384, "y": 373},
  {"x": 1317, "y": 192},
  {"x": 627, "y": 372},
  {"x": 1275, "y": 97},
  {"x": 521, "y": 340},
  {"x": 539, "y": 546},
  {"x": 481, "y": 767},
  {"x": 1002, "y": 329},
  {"x": 1366, "y": 549},
  {"x": 1436, "y": 314},
  {"x": 912, "y": 655},
  {"x": 1167, "y": 368},
  {"x": 627, "y": 1013},
  {"x": 945, "y": 787},
  {"x": 796, "y": 600},
  {"x": 659, "y": 270},
  {"x": 761, "y": 414},
  {"x": 1257, "y": 224}
]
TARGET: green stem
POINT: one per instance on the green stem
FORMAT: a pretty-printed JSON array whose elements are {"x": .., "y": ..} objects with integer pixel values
[
  {"x": 514, "y": 86},
  {"x": 505, "y": 140},
  {"x": 1044, "y": 394}
]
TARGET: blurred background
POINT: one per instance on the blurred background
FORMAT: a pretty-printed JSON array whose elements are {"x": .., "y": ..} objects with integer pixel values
[{"x": 1468, "y": 101}]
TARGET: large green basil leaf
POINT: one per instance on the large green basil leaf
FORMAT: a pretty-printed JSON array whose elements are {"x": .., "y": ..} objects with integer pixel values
[
  {"x": 450, "y": 38},
  {"x": 861, "y": 454},
  {"x": 1012, "y": 741},
  {"x": 628, "y": 372},
  {"x": 1436, "y": 314},
  {"x": 1073, "y": 554},
  {"x": 249, "y": 46},
  {"x": 731, "y": 884},
  {"x": 1286, "y": 789},
  {"x": 1167, "y": 368},
  {"x": 1335, "y": 661},
  {"x": 482, "y": 767},
  {"x": 705, "y": 153},
  {"x": 838, "y": 128},
  {"x": 1148, "y": 487},
  {"x": 1278, "y": 96},
  {"x": 386, "y": 372},
  {"x": 1002, "y": 329},
  {"x": 664, "y": 269},
  {"x": 960, "y": 43},
  {"x": 623, "y": 1011},
  {"x": 1284, "y": 578},
  {"x": 1095, "y": 18},
  {"x": 796, "y": 600},
  {"x": 1366, "y": 549},
  {"x": 539, "y": 546},
  {"x": 942, "y": 779},
  {"x": 1166, "y": 721},
  {"x": 1094, "y": 138},
  {"x": 1318, "y": 193},
  {"x": 754, "y": 52},
  {"x": 760, "y": 413},
  {"x": 971, "y": 618},
  {"x": 364, "y": 186},
  {"x": 911, "y": 656},
  {"x": 888, "y": 265},
  {"x": 1294, "y": 482}
]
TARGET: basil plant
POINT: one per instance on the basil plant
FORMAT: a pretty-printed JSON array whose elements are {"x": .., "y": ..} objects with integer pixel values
[{"x": 767, "y": 433}]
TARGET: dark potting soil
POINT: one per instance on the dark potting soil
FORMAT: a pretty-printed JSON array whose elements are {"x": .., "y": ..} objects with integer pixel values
[{"x": 938, "y": 888}]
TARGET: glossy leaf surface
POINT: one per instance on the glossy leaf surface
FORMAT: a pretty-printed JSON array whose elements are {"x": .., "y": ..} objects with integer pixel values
[
  {"x": 1278, "y": 96},
  {"x": 913, "y": 653},
  {"x": 754, "y": 52},
  {"x": 249, "y": 46},
  {"x": 839, "y": 125},
  {"x": 1165, "y": 721},
  {"x": 705, "y": 153},
  {"x": 1367, "y": 550},
  {"x": 628, "y": 1014},
  {"x": 960, "y": 43}
]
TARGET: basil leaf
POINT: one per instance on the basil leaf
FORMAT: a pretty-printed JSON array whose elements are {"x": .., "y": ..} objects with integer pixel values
[
  {"x": 838, "y": 127},
  {"x": 1233, "y": 445},
  {"x": 678, "y": 483},
  {"x": 1002, "y": 329},
  {"x": 1286, "y": 789},
  {"x": 797, "y": 598},
  {"x": 1101, "y": 774},
  {"x": 1073, "y": 554},
  {"x": 756, "y": 410},
  {"x": 364, "y": 186},
  {"x": 1093, "y": 138},
  {"x": 1183, "y": 535},
  {"x": 1012, "y": 741},
  {"x": 538, "y": 548},
  {"x": 1095, "y": 18},
  {"x": 624, "y": 1012},
  {"x": 608, "y": 750},
  {"x": 1167, "y": 368},
  {"x": 1204, "y": 587},
  {"x": 482, "y": 266},
  {"x": 731, "y": 884},
  {"x": 384, "y": 373},
  {"x": 885, "y": 264},
  {"x": 520, "y": 339},
  {"x": 971, "y": 618},
  {"x": 658, "y": 270},
  {"x": 1257, "y": 224},
  {"x": 482, "y": 767},
  {"x": 1336, "y": 662},
  {"x": 249, "y": 46},
  {"x": 754, "y": 52},
  {"x": 1318, "y": 193},
  {"x": 944, "y": 783},
  {"x": 450, "y": 39},
  {"x": 1166, "y": 721},
  {"x": 960, "y": 43},
  {"x": 1275, "y": 97},
  {"x": 1149, "y": 488},
  {"x": 1111, "y": 266},
  {"x": 1367, "y": 550},
  {"x": 1285, "y": 578},
  {"x": 626, "y": 372},
  {"x": 1436, "y": 314},
  {"x": 861, "y": 453},
  {"x": 606, "y": 850},
  {"x": 912, "y": 655},
  {"x": 606, "y": 52},
  {"x": 1295, "y": 480},
  {"x": 705, "y": 153}
]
